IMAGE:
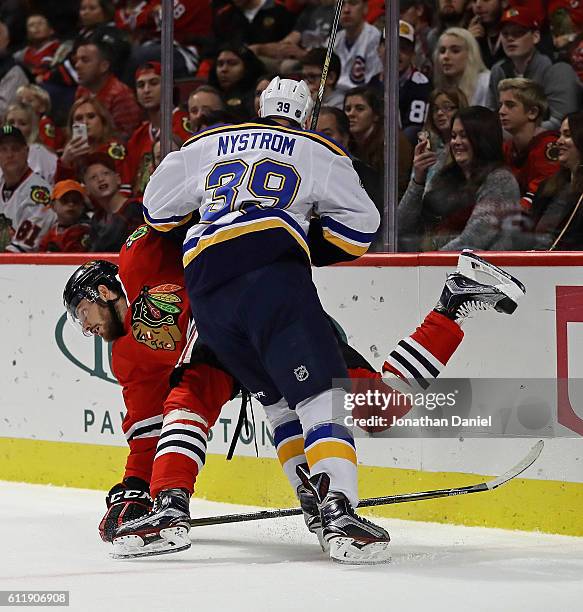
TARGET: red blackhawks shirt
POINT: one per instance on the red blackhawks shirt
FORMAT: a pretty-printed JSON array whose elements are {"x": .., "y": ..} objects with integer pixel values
[
  {"x": 192, "y": 19},
  {"x": 138, "y": 164},
  {"x": 38, "y": 59},
  {"x": 532, "y": 166},
  {"x": 120, "y": 101},
  {"x": 156, "y": 324},
  {"x": 69, "y": 239},
  {"x": 50, "y": 135},
  {"x": 114, "y": 149}
]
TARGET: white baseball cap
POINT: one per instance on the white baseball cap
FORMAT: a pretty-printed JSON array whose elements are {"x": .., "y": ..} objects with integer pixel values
[{"x": 406, "y": 31}]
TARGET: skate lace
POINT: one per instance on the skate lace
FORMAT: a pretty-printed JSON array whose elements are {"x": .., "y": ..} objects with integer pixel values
[{"x": 467, "y": 309}]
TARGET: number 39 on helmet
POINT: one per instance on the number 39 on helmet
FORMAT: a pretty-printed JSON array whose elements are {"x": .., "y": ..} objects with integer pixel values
[{"x": 288, "y": 99}]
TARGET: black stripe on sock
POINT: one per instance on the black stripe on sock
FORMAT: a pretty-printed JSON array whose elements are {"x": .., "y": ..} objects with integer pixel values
[
  {"x": 416, "y": 374},
  {"x": 183, "y": 432},
  {"x": 182, "y": 444},
  {"x": 145, "y": 429},
  {"x": 420, "y": 358}
]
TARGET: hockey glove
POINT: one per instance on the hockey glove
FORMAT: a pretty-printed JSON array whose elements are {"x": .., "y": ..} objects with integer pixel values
[{"x": 126, "y": 501}]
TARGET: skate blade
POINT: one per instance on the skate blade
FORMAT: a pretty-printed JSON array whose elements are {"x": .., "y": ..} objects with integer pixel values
[
  {"x": 171, "y": 540},
  {"x": 324, "y": 545},
  {"x": 469, "y": 264},
  {"x": 351, "y": 552}
]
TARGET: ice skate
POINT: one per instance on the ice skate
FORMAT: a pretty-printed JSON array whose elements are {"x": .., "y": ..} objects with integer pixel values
[
  {"x": 352, "y": 539},
  {"x": 463, "y": 294},
  {"x": 312, "y": 515},
  {"x": 162, "y": 531}
]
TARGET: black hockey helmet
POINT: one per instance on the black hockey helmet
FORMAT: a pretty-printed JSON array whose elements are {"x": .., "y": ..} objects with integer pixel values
[{"x": 84, "y": 281}]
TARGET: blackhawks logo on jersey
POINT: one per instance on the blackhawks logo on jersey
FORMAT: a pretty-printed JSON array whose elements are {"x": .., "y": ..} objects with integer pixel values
[
  {"x": 155, "y": 317},
  {"x": 49, "y": 130},
  {"x": 116, "y": 151},
  {"x": 139, "y": 233},
  {"x": 143, "y": 174},
  {"x": 40, "y": 194},
  {"x": 552, "y": 151}
]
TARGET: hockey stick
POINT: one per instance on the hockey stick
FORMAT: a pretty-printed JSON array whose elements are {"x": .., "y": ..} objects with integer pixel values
[
  {"x": 489, "y": 485},
  {"x": 329, "y": 51}
]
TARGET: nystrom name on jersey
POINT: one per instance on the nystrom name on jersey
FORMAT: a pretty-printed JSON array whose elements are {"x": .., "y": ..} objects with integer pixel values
[{"x": 256, "y": 140}]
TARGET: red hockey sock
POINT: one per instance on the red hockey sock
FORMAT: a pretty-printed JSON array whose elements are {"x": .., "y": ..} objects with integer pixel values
[
  {"x": 181, "y": 452},
  {"x": 423, "y": 355}
]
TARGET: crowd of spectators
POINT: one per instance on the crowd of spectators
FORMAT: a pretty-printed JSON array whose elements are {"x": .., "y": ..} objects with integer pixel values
[{"x": 490, "y": 91}]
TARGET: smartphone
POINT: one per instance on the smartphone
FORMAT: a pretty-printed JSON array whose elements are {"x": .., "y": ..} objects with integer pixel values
[
  {"x": 423, "y": 136},
  {"x": 80, "y": 131}
]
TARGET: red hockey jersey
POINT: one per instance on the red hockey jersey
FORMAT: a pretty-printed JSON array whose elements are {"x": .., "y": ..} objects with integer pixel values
[
  {"x": 534, "y": 165},
  {"x": 138, "y": 165},
  {"x": 114, "y": 149},
  {"x": 150, "y": 270},
  {"x": 39, "y": 59},
  {"x": 192, "y": 19},
  {"x": 72, "y": 239}
]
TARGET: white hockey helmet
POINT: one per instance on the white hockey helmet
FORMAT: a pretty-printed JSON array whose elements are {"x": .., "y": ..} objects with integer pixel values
[{"x": 286, "y": 98}]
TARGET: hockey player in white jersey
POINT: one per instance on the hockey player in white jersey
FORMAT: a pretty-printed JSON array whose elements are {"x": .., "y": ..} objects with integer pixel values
[
  {"x": 25, "y": 216},
  {"x": 247, "y": 268},
  {"x": 256, "y": 187}
]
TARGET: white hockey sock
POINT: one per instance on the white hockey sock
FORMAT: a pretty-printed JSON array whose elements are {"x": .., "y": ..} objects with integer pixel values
[
  {"x": 288, "y": 439},
  {"x": 329, "y": 444}
]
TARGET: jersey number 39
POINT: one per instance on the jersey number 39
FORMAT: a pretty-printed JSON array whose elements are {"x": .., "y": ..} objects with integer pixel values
[{"x": 273, "y": 183}]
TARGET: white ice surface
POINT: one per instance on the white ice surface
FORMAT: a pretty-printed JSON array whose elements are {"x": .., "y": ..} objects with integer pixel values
[{"x": 49, "y": 540}]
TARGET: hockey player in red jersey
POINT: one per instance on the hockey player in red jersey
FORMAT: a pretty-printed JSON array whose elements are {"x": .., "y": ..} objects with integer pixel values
[{"x": 146, "y": 315}]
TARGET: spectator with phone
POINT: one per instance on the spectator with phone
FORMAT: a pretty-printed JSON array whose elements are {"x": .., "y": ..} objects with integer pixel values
[
  {"x": 91, "y": 131},
  {"x": 473, "y": 200},
  {"x": 443, "y": 105}
]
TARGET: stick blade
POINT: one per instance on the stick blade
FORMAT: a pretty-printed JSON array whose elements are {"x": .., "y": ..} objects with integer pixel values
[{"x": 520, "y": 467}]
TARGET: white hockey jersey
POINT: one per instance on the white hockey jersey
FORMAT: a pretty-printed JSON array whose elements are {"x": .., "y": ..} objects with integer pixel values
[
  {"x": 25, "y": 216},
  {"x": 360, "y": 61},
  {"x": 257, "y": 186}
]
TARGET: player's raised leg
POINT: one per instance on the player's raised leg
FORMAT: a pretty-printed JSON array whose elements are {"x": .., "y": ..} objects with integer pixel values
[{"x": 421, "y": 357}]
